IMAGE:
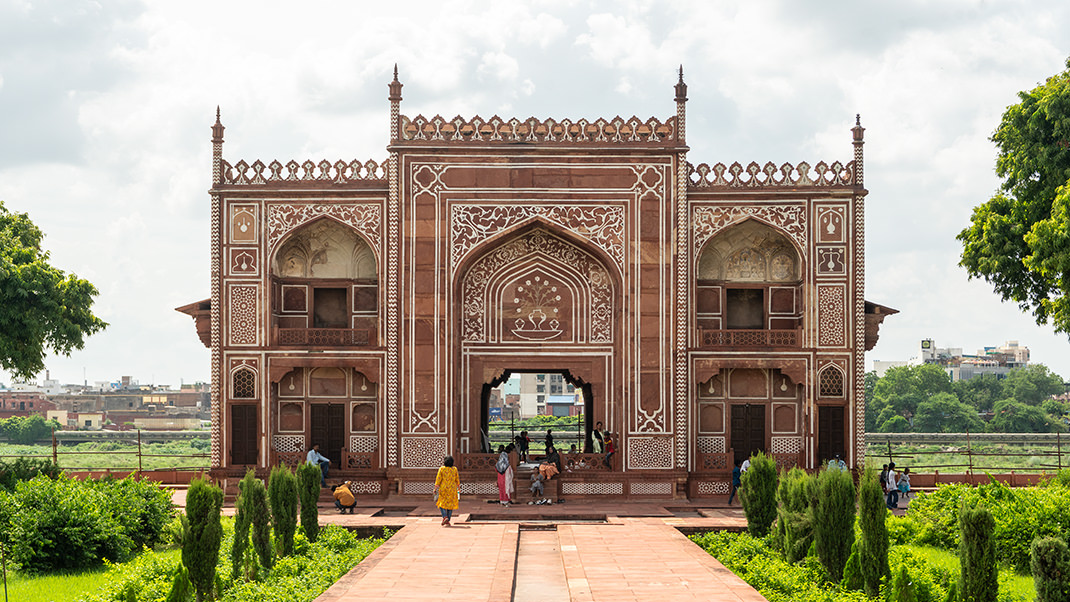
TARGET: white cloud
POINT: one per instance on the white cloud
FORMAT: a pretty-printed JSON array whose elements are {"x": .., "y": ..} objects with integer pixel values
[{"x": 111, "y": 105}]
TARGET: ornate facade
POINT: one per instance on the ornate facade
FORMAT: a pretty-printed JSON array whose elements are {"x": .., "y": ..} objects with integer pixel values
[{"x": 707, "y": 311}]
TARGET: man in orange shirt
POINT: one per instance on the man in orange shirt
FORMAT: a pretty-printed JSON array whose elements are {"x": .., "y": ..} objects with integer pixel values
[{"x": 344, "y": 498}]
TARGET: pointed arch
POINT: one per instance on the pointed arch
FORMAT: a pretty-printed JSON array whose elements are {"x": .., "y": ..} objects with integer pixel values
[
  {"x": 339, "y": 249},
  {"x": 750, "y": 250}
]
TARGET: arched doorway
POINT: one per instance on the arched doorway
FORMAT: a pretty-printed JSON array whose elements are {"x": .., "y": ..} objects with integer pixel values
[
  {"x": 538, "y": 301},
  {"x": 526, "y": 400}
]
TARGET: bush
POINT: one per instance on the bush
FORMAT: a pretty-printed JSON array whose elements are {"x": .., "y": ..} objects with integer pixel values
[
  {"x": 25, "y": 430},
  {"x": 309, "y": 477},
  {"x": 298, "y": 578},
  {"x": 873, "y": 544},
  {"x": 54, "y": 524},
  {"x": 1021, "y": 515},
  {"x": 1050, "y": 562},
  {"x": 834, "y": 521},
  {"x": 24, "y": 469},
  {"x": 282, "y": 493},
  {"x": 200, "y": 549},
  {"x": 903, "y": 587},
  {"x": 759, "y": 494},
  {"x": 979, "y": 579},
  {"x": 260, "y": 516},
  {"x": 795, "y": 519}
]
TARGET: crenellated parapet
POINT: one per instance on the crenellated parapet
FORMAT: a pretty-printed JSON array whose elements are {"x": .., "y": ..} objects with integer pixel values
[
  {"x": 276, "y": 173},
  {"x": 825, "y": 175},
  {"x": 617, "y": 130}
]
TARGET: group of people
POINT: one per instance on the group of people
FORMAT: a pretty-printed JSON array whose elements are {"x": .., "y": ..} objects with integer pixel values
[{"x": 894, "y": 484}]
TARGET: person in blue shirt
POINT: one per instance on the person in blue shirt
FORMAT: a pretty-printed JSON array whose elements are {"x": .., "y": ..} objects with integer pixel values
[
  {"x": 314, "y": 457},
  {"x": 737, "y": 476}
]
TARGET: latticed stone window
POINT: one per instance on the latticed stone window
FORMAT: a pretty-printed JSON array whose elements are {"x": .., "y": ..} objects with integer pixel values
[
  {"x": 831, "y": 382},
  {"x": 244, "y": 384}
]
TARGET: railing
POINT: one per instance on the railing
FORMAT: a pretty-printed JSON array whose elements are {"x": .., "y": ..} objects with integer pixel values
[
  {"x": 714, "y": 461},
  {"x": 748, "y": 338},
  {"x": 497, "y": 129},
  {"x": 834, "y": 175},
  {"x": 327, "y": 337},
  {"x": 339, "y": 172},
  {"x": 970, "y": 452},
  {"x": 139, "y": 459},
  {"x": 359, "y": 460}
]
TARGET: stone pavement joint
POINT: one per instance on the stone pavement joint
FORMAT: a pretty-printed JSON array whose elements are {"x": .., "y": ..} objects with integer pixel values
[{"x": 624, "y": 559}]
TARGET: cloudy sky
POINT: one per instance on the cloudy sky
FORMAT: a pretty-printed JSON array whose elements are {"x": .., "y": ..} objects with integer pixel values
[{"x": 105, "y": 110}]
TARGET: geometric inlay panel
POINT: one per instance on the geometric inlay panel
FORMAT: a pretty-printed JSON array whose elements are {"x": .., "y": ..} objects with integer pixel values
[
  {"x": 786, "y": 445},
  {"x": 243, "y": 262},
  {"x": 644, "y": 488},
  {"x": 363, "y": 444},
  {"x": 242, "y": 314},
  {"x": 478, "y": 488},
  {"x": 713, "y": 487},
  {"x": 830, "y": 224},
  {"x": 417, "y": 487},
  {"x": 422, "y": 452},
  {"x": 831, "y": 316},
  {"x": 649, "y": 452},
  {"x": 288, "y": 443},
  {"x": 366, "y": 487},
  {"x": 711, "y": 445},
  {"x": 569, "y": 488}
]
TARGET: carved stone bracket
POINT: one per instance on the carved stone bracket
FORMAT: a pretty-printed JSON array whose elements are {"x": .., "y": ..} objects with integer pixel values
[{"x": 705, "y": 369}]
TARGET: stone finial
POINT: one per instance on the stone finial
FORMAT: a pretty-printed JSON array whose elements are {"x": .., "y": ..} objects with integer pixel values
[
  {"x": 395, "y": 87},
  {"x": 857, "y": 130},
  {"x": 217, "y": 129},
  {"x": 681, "y": 87}
]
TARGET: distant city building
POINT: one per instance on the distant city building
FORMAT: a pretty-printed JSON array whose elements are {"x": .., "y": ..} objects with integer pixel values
[{"x": 996, "y": 361}]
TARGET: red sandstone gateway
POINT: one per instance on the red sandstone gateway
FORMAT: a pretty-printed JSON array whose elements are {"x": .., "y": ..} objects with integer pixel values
[{"x": 705, "y": 312}]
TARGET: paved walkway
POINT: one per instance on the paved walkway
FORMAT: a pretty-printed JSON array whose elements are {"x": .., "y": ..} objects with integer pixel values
[{"x": 546, "y": 558}]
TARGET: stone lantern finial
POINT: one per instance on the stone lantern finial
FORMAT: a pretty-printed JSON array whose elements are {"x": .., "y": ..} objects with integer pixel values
[
  {"x": 217, "y": 128},
  {"x": 681, "y": 87},
  {"x": 395, "y": 87}
]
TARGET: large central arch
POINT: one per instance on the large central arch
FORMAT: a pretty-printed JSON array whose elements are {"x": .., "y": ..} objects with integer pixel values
[{"x": 538, "y": 299}]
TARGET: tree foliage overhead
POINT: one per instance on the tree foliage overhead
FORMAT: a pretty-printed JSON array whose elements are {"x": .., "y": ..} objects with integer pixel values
[
  {"x": 1019, "y": 240},
  {"x": 41, "y": 308}
]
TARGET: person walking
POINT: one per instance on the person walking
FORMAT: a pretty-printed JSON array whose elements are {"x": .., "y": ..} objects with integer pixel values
[
  {"x": 447, "y": 486},
  {"x": 314, "y": 457},
  {"x": 891, "y": 486},
  {"x": 737, "y": 481}
]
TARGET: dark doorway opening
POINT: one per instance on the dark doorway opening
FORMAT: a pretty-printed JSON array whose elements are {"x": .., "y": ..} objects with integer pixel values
[
  {"x": 748, "y": 430},
  {"x": 329, "y": 430},
  {"x": 543, "y": 395},
  {"x": 243, "y": 429},
  {"x": 830, "y": 433}
]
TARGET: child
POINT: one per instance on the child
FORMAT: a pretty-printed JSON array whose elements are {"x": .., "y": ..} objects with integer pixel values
[
  {"x": 610, "y": 449},
  {"x": 536, "y": 486},
  {"x": 904, "y": 483}
]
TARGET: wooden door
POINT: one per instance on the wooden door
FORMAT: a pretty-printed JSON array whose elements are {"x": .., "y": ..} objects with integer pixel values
[
  {"x": 243, "y": 437},
  {"x": 830, "y": 433},
  {"x": 329, "y": 430},
  {"x": 748, "y": 430}
]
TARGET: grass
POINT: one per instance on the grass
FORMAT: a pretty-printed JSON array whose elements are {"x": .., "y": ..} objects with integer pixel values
[
  {"x": 1000, "y": 456},
  {"x": 1012, "y": 586},
  {"x": 64, "y": 586}
]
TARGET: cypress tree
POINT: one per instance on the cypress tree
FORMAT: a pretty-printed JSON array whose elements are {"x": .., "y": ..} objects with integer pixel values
[
  {"x": 1050, "y": 564},
  {"x": 979, "y": 577},
  {"x": 309, "y": 476},
  {"x": 256, "y": 505},
  {"x": 873, "y": 542},
  {"x": 200, "y": 547},
  {"x": 282, "y": 493},
  {"x": 181, "y": 588},
  {"x": 902, "y": 588},
  {"x": 852, "y": 571},
  {"x": 795, "y": 495},
  {"x": 834, "y": 521},
  {"x": 241, "y": 527},
  {"x": 759, "y": 494}
]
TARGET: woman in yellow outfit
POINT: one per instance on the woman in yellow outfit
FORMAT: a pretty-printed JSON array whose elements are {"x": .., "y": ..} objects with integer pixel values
[{"x": 447, "y": 482}]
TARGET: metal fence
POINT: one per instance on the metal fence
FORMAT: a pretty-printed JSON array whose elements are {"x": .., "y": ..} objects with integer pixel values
[
  {"x": 969, "y": 452},
  {"x": 136, "y": 451}
]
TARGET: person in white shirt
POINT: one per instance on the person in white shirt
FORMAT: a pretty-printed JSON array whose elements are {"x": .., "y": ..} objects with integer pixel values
[
  {"x": 891, "y": 487},
  {"x": 314, "y": 457}
]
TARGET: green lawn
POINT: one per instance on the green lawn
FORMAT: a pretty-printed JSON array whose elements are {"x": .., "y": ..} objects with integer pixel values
[
  {"x": 1012, "y": 586},
  {"x": 62, "y": 587},
  {"x": 100, "y": 455}
]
